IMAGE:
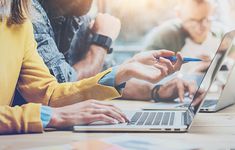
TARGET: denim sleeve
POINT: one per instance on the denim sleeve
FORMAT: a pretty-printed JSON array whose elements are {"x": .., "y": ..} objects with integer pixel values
[
  {"x": 79, "y": 45},
  {"x": 109, "y": 80},
  {"x": 48, "y": 49},
  {"x": 54, "y": 60},
  {"x": 46, "y": 113}
]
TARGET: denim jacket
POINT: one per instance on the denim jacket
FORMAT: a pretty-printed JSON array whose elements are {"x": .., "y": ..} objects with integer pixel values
[{"x": 60, "y": 38}]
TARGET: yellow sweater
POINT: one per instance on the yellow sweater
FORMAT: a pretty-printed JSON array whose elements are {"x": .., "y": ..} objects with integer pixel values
[{"x": 21, "y": 67}]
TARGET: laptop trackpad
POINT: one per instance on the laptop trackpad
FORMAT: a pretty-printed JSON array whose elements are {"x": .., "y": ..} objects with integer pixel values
[{"x": 102, "y": 123}]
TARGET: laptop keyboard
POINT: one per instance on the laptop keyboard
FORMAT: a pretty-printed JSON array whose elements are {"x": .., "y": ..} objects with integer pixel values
[
  {"x": 152, "y": 118},
  {"x": 206, "y": 103},
  {"x": 209, "y": 103}
]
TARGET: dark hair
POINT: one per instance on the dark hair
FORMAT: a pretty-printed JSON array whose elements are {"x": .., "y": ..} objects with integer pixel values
[{"x": 19, "y": 9}]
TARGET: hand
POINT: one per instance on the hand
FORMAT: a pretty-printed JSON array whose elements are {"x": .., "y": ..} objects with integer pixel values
[
  {"x": 156, "y": 56},
  {"x": 107, "y": 25},
  {"x": 85, "y": 113},
  {"x": 177, "y": 88},
  {"x": 148, "y": 66}
]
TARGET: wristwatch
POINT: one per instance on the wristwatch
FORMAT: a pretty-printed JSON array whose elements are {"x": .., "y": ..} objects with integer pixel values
[
  {"x": 156, "y": 97},
  {"x": 101, "y": 40},
  {"x": 154, "y": 93}
]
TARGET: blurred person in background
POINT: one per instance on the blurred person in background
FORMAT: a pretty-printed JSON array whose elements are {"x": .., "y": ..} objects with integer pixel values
[{"x": 193, "y": 32}]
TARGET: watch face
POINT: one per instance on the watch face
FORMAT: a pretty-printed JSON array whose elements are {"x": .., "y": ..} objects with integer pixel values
[{"x": 103, "y": 41}]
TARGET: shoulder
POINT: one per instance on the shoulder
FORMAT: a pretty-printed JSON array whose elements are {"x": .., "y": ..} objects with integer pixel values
[
  {"x": 167, "y": 29},
  {"x": 168, "y": 35},
  {"x": 21, "y": 29},
  {"x": 27, "y": 26}
]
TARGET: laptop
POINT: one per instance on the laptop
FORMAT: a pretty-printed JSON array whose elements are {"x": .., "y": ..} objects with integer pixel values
[
  {"x": 220, "y": 94},
  {"x": 224, "y": 96},
  {"x": 167, "y": 120}
]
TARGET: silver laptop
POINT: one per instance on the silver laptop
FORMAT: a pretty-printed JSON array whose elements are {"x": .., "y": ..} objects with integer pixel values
[
  {"x": 164, "y": 120},
  {"x": 224, "y": 85},
  {"x": 219, "y": 96}
]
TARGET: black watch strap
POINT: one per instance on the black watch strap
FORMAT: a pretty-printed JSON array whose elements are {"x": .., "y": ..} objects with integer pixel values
[
  {"x": 103, "y": 41},
  {"x": 154, "y": 93},
  {"x": 156, "y": 97}
]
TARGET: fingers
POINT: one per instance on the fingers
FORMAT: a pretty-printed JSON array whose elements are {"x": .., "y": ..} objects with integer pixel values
[
  {"x": 172, "y": 68},
  {"x": 163, "y": 70},
  {"x": 148, "y": 73},
  {"x": 179, "y": 62},
  {"x": 191, "y": 86},
  {"x": 99, "y": 117},
  {"x": 184, "y": 86},
  {"x": 162, "y": 53},
  {"x": 181, "y": 90},
  {"x": 108, "y": 105},
  {"x": 111, "y": 110},
  {"x": 169, "y": 65}
]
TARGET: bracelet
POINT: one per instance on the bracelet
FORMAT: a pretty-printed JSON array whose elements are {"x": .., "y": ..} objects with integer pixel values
[{"x": 154, "y": 93}]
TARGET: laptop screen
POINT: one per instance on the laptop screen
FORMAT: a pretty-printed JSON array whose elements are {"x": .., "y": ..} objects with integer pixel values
[{"x": 220, "y": 62}]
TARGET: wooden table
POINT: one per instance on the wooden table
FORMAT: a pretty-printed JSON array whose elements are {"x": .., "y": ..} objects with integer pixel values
[{"x": 209, "y": 131}]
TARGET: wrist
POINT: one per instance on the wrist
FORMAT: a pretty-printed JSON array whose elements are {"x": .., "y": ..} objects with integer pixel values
[
  {"x": 155, "y": 93},
  {"x": 56, "y": 120},
  {"x": 149, "y": 87},
  {"x": 123, "y": 74},
  {"x": 101, "y": 40},
  {"x": 98, "y": 49}
]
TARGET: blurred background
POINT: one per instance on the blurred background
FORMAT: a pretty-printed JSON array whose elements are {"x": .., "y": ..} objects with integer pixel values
[{"x": 140, "y": 17}]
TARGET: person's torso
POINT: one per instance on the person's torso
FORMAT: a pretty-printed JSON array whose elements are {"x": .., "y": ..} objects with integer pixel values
[
  {"x": 64, "y": 30},
  {"x": 11, "y": 57}
]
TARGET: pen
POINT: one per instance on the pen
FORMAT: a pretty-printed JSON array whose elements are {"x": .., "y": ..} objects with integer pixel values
[{"x": 185, "y": 59}]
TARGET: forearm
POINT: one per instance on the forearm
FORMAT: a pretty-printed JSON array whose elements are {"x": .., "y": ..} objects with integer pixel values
[
  {"x": 38, "y": 86},
  {"x": 51, "y": 117},
  {"x": 92, "y": 64},
  {"x": 137, "y": 90},
  {"x": 98, "y": 54}
]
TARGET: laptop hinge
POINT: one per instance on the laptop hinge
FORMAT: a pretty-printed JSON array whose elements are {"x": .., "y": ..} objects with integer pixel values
[{"x": 187, "y": 117}]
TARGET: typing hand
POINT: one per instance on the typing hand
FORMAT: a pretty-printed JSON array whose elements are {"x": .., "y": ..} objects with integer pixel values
[
  {"x": 177, "y": 88},
  {"x": 86, "y": 112}
]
